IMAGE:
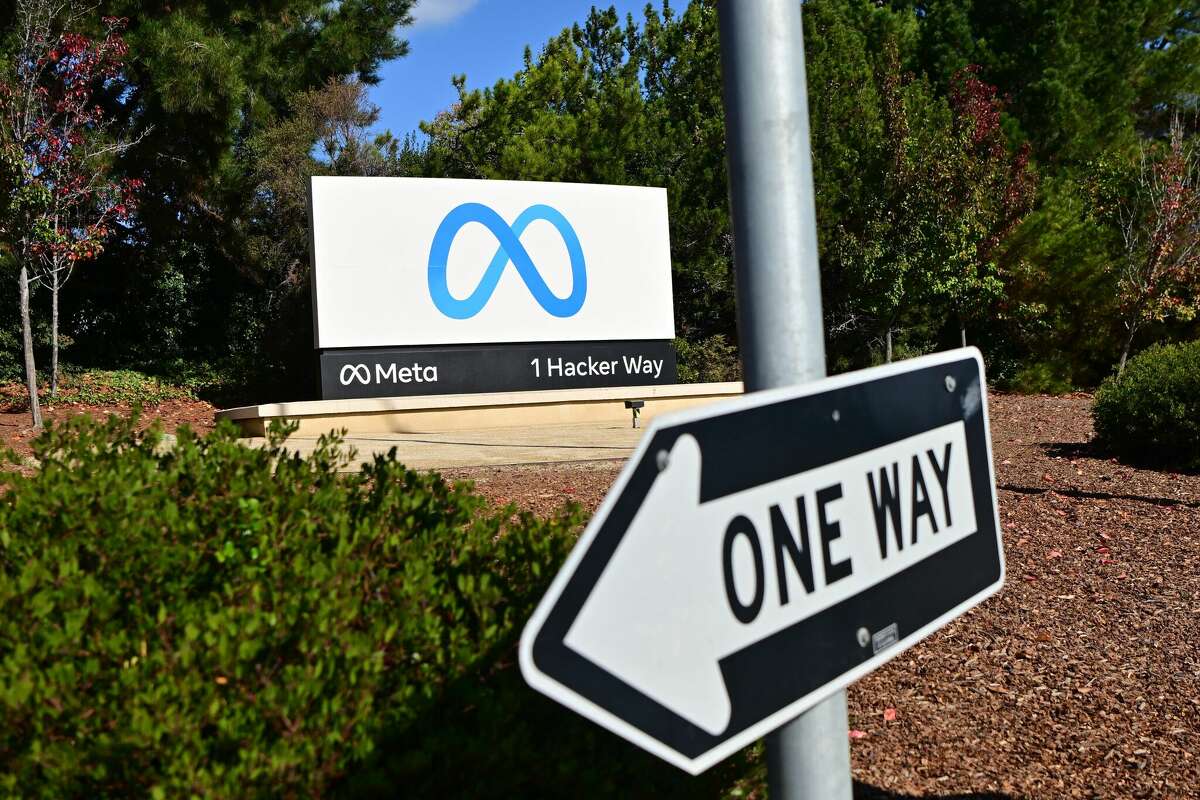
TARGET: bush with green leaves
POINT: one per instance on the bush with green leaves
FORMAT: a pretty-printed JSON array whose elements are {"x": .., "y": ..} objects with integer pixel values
[
  {"x": 1038, "y": 377},
  {"x": 210, "y": 620},
  {"x": 711, "y": 360},
  {"x": 1150, "y": 413}
]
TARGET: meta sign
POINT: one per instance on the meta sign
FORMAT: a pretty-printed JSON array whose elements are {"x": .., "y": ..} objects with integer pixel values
[
  {"x": 755, "y": 556},
  {"x": 435, "y": 286}
]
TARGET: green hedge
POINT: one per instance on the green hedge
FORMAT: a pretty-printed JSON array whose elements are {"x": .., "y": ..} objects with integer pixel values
[
  {"x": 216, "y": 621},
  {"x": 1151, "y": 412}
]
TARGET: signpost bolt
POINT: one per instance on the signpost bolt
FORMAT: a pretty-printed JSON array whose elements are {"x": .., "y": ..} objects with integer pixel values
[
  {"x": 864, "y": 637},
  {"x": 662, "y": 459},
  {"x": 950, "y": 383},
  {"x": 837, "y": 415}
]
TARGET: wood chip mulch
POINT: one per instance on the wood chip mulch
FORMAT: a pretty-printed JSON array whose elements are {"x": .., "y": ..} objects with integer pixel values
[
  {"x": 1080, "y": 679},
  {"x": 16, "y": 432}
]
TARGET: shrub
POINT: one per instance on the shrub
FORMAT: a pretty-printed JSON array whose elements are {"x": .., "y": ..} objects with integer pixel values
[
  {"x": 1039, "y": 377},
  {"x": 212, "y": 620},
  {"x": 711, "y": 360},
  {"x": 1151, "y": 412}
]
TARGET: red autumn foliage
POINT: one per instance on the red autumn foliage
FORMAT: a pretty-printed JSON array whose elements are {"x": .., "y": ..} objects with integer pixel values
[
  {"x": 978, "y": 102},
  {"x": 66, "y": 152}
]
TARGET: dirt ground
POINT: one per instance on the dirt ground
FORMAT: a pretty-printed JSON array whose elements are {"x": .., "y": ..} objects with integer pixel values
[
  {"x": 1081, "y": 678},
  {"x": 16, "y": 430}
]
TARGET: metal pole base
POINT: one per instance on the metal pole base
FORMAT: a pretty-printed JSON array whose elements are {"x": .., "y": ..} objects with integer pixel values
[{"x": 809, "y": 758}]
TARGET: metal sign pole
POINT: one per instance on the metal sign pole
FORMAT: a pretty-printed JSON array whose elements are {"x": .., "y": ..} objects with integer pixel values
[{"x": 779, "y": 296}]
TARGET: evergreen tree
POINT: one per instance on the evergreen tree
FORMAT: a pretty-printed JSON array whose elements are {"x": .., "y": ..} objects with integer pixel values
[
  {"x": 1080, "y": 76},
  {"x": 201, "y": 81}
]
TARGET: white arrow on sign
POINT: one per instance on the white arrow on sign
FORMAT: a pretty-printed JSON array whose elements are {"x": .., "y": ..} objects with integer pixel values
[{"x": 691, "y": 583}]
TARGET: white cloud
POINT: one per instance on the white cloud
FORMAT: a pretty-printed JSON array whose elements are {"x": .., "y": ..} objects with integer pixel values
[{"x": 431, "y": 13}]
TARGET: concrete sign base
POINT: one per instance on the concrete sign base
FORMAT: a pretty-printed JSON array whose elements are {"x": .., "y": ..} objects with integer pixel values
[{"x": 477, "y": 411}]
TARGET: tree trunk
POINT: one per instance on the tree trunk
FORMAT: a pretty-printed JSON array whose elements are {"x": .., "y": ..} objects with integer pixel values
[
  {"x": 889, "y": 344},
  {"x": 54, "y": 333},
  {"x": 962, "y": 330},
  {"x": 35, "y": 407},
  {"x": 1125, "y": 350}
]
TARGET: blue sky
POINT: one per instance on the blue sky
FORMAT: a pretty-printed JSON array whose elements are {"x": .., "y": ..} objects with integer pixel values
[{"x": 483, "y": 38}]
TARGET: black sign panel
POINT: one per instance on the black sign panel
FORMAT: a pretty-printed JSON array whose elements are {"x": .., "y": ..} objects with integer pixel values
[
  {"x": 757, "y": 555},
  {"x": 462, "y": 369}
]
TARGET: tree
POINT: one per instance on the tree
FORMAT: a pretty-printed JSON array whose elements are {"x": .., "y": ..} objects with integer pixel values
[
  {"x": 23, "y": 107},
  {"x": 56, "y": 135},
  {"x": 684, "y": 151},
  {"x": 1159, "y": 223},
  {"x": 915, "y": 191},
  {"x": 333, "y": 121},
  {"x": 327, "y": 132},
  {"x": 1083, "y": 77},
  {"x": 987, "y": 191},
  {"x": 1079, "y": 80},
  {"x": 873, "y": 141},
  {"x": 85, "y": 205},
  {"x": 202, "y": 79}
]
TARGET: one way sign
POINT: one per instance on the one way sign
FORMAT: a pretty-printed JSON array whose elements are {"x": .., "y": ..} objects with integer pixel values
[{"x": 755, "y": 556}]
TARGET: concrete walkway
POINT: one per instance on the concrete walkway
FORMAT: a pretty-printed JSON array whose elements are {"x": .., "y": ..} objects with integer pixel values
[{"x": 595, "y": 441}]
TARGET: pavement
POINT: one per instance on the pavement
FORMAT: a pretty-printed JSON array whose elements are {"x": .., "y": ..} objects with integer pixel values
[{"x": 541, "y": 444}]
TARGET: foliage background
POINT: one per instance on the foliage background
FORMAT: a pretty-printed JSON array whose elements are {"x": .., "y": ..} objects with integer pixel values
[{"x": 941, "y": 204}]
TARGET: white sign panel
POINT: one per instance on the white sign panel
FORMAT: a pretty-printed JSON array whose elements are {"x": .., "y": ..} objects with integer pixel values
[{"x": 416, "y": 261}]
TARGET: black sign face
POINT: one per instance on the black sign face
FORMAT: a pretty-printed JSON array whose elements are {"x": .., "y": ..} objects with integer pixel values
[
  {"x": 757, "y": 555},
  {"x": 462, "y": 369}
]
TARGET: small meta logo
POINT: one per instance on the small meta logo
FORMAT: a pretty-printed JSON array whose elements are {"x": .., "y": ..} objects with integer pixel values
[
  {"x": 511, "y": 249},
  {"x": 352, "y": 372},
  {"x": 388, "y": 373}
]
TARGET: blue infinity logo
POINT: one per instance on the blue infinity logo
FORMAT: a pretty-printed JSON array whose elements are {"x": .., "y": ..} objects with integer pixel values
[{"x": 511, "y": 249}]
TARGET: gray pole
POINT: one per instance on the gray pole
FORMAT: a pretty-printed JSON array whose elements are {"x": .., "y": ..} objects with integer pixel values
[{"x": 779, "y": 296}]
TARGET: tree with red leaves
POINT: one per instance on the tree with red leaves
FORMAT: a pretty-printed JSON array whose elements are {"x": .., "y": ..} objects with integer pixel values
[
  {"x": 987, "y": 191},
  {"x": 56, "y": 153},
  {"x": 1159, "y": 221}
]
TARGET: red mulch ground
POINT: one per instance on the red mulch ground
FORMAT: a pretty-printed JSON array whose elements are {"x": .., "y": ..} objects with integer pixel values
[
  {"x": 1080, "y": 679},
  {"x": 16, "y": 430}
]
